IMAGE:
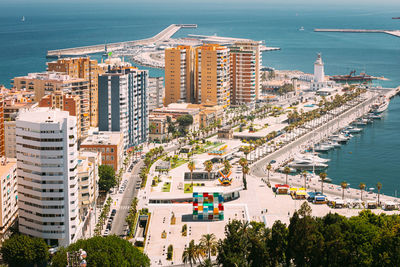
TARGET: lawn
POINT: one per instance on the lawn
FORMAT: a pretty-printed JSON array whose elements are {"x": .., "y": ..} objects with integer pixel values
[
  {"x": 178, "y": 163},
  {"x": 189, "y": 189},
  {"x": 166, "y": 187},
  {"x": 212, "y": 146}
]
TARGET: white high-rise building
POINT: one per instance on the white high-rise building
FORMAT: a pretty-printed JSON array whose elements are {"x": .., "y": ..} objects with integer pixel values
[
  {"x": 319, "y": 74},
  {"x": 46, "y": 148}
]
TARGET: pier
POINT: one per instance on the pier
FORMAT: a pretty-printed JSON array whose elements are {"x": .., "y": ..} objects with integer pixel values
[
  {"x": 165, "y": 34},
  {"x": 390, "y": 32}
]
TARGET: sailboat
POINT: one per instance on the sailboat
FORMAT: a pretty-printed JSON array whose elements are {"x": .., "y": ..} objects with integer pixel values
[
  {"x": 23, "y": 19},
  {"x": 301, "y": 28}
]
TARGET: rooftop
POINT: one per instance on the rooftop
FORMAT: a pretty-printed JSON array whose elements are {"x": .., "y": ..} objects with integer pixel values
[
  {"x": 41, "y": 115},
  {"x": 5, "y": 168},
  {"x": 103, "y": 138}
]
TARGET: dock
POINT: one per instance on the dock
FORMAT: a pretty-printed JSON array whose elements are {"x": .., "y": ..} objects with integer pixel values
[
  {"x": 390, "y": 32},
  {"x": 165, "y": 34}
]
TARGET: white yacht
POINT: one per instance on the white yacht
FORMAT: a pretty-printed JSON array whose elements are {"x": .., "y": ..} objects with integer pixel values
[
  {"x": 340, "y": 138},
  {"x": 352, "y": 129},
  {"x": 310, "y": 157},
  {"x": 323, "y": 148},
  {"x": 381, "y": 106},
  {"x": 335, "y": 144},
  {"x": 307, "y": 165}
]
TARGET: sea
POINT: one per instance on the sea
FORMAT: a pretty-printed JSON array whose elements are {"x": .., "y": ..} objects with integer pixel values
[{"x": 370, "y": 157}]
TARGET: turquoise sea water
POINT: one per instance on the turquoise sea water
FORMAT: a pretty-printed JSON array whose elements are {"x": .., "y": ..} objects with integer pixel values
[{"x": 375, "y": 153}]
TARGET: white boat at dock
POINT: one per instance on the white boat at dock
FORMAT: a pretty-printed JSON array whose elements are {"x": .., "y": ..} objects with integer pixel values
[
  {"x": 352, "y": 129},
  {"x": 307, "y": 165},
  {"x": 310, "y": 157},
  {"x": 381, "y": 106},
  {"x": 340, "y": 138},
  {"x": 323, "y": 148}
]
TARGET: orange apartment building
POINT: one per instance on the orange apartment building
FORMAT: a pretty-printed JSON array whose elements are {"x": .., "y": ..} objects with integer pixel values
[
  {"x": 2, "y": 135},
  {"x": 245, "y": 73},
  {"x": 179, "y": 75},
  {"x": 48, "y": 82},
  {"x": 109, "y": 144},
  {"x": 84, "y": 68},
  {"x": 65, "y": 102},
  {"x": 212, "y": 75}
]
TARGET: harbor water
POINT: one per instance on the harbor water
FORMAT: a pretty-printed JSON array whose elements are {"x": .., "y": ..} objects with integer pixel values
[{"x": 369, "y": 157}]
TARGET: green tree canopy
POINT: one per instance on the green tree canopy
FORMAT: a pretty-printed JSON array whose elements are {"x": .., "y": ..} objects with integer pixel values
[
  {"x": 105, "y": 251},
  {"x": 185, "y": 120},
  {"x": 21, "y": 251},
  {"x": 106, "y": 177}
]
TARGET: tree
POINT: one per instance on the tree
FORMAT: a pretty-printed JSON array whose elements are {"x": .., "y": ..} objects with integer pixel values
[
  {"x": 152, "y": 127},
  {"x": 208, "y": 167},
  {"x": 322, "y": 176},
  {"x": 105, "y": 251},
  {"x": 227, "y": 166},
  {"x": 379, "y": 187},
  {"x": 191, "y": 167},
  {"x": 344, "y": 186},
  {"x": 185, "y": 120},
  {"x": 189, "y": 253},
  {"x": 277, "y": 243},
  {"x": 22, "y": 250},
  {"x": 209, "y": 244},
  {"x": 245, "y": 170},
  {"x": 305, "y": 210},
  {"x": 286, "y": 171},
  {"x": 107, "y": 178},
  {"x": 362, "y": 187},
  {"x": 269, "y": 167}
]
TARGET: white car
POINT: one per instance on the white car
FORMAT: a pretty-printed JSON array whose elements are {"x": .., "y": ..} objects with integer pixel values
[{"x": 106, "y": 232}]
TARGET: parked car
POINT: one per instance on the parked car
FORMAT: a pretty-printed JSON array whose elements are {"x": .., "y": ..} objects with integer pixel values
[{"x": 106, "y": 232}]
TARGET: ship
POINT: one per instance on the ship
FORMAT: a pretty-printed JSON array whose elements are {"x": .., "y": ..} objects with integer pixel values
[
  {"x": 352, "y": 77},
  {"x": 396, "y": 18}
]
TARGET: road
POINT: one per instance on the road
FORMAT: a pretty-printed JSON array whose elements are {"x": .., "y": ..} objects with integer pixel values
[
  {"x": 119, "y": 225},
  {"x": 123, "y": 202}
]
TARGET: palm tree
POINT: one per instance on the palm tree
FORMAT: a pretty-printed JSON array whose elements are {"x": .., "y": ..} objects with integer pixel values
[
  {"x": 209, "y": 244},
  {"x": 344, "y": 186},
  {"x": 379, "y": 187},
  {"x": 286, "y": 171},
  {"x": 322, "y": 176},
  {"x": 304, "y": 174},
  {"x": 269, "y": 167},
  {"x": 189, "y": 253},
  {"x": 362, "y": 187},
  {"x": 227, "y": 167},
  {"x": 191, "y": 167},
  {"x": 246, "y": 150},
  {"x": 208, "y": 167},
  {"x": 245, "y": 170}
]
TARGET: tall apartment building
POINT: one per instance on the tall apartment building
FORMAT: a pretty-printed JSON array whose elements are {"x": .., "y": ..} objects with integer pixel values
[
  {"x": 8, "y": 194},
  {"x": 9, "y": 139},
  {"x": 47, "y": 156},
  {"x": 85, "y": 68},
  {"x": 156, "y": 92},
  {"x": 2, "y": 134},
  {"x": 245, "y": 64},
  {"x": 123, "y": 104},
  {"x": 179, "y": 75},
  {"x": 49, "y": 82},
  {"x": 66, "y": 102},
  {"x": 212, "y": 75}
]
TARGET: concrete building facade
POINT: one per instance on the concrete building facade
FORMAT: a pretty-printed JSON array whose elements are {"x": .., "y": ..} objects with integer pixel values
[
  {"x": 109, "y": 144},
  {"x": 2, "y": 134},
  {"x": 47, "y": 153},
  {"x": 8, "y": 195},
  {"x": 123, "y": 104},
  {"x": 245, "y": 73},
  {"x": 179, "y": 75},
  {"x": 212, "y": 75},
  {"x": 85, "y": 68},
  {"x": 156, "y": 92}
]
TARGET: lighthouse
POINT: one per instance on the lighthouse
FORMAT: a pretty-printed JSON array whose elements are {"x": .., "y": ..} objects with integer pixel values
[{"x": 319, "y": 74}]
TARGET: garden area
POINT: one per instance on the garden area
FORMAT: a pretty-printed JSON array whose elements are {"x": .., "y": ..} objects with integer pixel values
[{"x": 188, "y": 188}]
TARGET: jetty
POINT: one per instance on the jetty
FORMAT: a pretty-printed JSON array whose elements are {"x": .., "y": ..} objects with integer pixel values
[
  {"x": 165, "y": 34},
  {"x": 390, "y": 32}
]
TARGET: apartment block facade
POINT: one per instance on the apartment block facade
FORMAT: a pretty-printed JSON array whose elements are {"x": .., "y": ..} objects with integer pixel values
[
  {"x": 47, "y": 158},
  {"x": 84, "y": 68},
  {"x": 212, "y": 75},
  {"x": 245, "y": 73},
  {"x": 179, "y": 75},
  {"x": 8, "y": 195},
  {"x": 123, "y": 104}
]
